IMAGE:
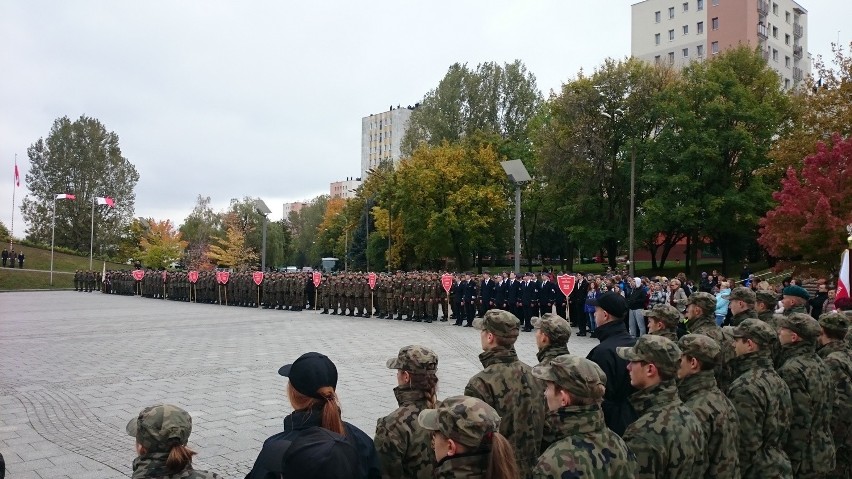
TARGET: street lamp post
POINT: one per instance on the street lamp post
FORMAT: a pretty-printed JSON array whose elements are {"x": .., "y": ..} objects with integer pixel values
[
  {"x": 518, "y": 174},
  {"x": 264, "y": 210}
]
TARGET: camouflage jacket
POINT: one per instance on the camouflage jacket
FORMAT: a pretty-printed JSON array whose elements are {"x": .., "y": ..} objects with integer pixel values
[
  {"x": 508, "y": 386},
  {"x": 405, "y": 448},
  {"x": 809, "y": 444},
  {"x": 838, "y": 358},
  {"x": 585, "y": 447},
  {"x": 718, "y": 418},
  {"x": 667, "y": 438},
  {"x": 707, "y": 326},
  {"x": 550, "y": 352},
  {"x": 462, "y": 466},
  {"x": 666, "y": 333},
  {"x": 549, "y": 433},
  {"x": 762, "y": 401},
  {"x": 739, "y": 318},
  {"x": 795, "y": 309},
  {"x": 153, "y": 466}
]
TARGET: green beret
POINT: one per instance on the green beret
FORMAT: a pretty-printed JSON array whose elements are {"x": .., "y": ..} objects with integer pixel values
[{"x": 797, "y": 291}]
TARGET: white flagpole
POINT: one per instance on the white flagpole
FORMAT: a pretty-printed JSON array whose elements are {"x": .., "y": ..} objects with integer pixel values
[
  {"x": 92, "y": 239},
  {"x": 12, "y": 224},
  {"x": 52, "y": 238}
]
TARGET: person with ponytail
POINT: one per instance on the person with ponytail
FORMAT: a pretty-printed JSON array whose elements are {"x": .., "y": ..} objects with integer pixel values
[
  {"x": 162, "y": 433},
  {"x": 311, "y": 391},
  {"x": 403, "y": 446},
  {"x": 467, "y": 441}
]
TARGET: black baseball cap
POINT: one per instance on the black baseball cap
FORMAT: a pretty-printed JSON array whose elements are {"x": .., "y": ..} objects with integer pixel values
[
  {"x": 612, "y": 303},
  {"x": 315, "y": 453},
  {"x": 311, "y": 372}
]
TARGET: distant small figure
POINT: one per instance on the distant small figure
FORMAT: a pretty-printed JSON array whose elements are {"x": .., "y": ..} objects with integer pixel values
[
  {"x": 21, "y": 260},
  {"x": 5, "y": 256},
  {"x": 12, "y": 257}
]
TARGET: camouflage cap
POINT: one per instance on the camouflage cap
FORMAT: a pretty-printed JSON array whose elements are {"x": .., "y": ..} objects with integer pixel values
[
  {"x": 835, "y": 321},
  {"x": 499, "y": 322},
  {"x": 414, "y": 358},
  {"x": 758, "y": 331},
  {"x": 664, "y": 313},
  {"x": 658, "y": 350},
  {"x": 158, "y": 428},
  {"x": 800, "y": 323},
  {"x": 701, "y": 347},
  {"x": 461, "y": 418},
  {"x": 705, "y": 301},
  {"x": 796, "y": 291},
  {"x": 742, "y": 294},
  {"x": 769, "y": 298},
  {"x": 577, "y": 375},
  {"x": 554, "y": 326}
]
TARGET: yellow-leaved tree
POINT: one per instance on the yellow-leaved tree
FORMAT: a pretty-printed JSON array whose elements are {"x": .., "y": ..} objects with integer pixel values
[
  {"x": 161, "y": 244},
  {"x": 232, "y": 251}
]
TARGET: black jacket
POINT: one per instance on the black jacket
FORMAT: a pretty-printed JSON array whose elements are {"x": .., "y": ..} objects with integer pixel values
[
  {"x": 618, "y": 413},
  {"x": 637, "y": 298},
  {"x": 299, "y": 421},
  {"x": 513, "y": 291},
  {"x": 547, "y": 294}
]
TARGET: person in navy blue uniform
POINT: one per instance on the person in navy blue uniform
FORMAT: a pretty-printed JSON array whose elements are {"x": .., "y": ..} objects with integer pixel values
[
  {"x": 513, "y": 295},
  {"x": 486, "y": 294},
  {"x": 500, "y": 289},
  {"x": 529, "y": 300},
  {"x": 546, "y": 295},
  {"x": 468, "y": 300},
  {"x": 561, "y": 302}
]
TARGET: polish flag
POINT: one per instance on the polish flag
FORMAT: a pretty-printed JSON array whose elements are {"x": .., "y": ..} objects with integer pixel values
[
  {"x": 105, "y": 200},
  {"x": 65, "y": 196},
  {"x": 17, "y": 175},
  {"x": 843, "y": 290}
]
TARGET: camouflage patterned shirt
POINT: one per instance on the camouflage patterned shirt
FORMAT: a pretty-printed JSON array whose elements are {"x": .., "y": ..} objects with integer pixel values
[
  {"x": 585, "y": 447},
  {"x": 707, "y": 326},
  {"x": 667, "y": 333},
  {"x": 809, "y": 444},
  {"x": 550, "y": 352},
  {"x": 462, "y": 466},
  {"x": 742, "y": 316},
  {"x": 838, "y": 358},
  {"x": 667, "y": 438},
  {"x": 508, "y": 386},
  {"x": 718, "y": 418},
  {"x": 405, "y": 448},
  {"x": 153, "y": 466},
  {"x": 762, "y": 401},
  {"x": 549, "y": 434}
]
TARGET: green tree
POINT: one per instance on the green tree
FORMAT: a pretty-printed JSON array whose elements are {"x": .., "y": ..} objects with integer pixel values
[
  {"x": 232, "y": 249},
  {"x": 161, "y": 245},
  {"x": 303, "y": 229},
  {"x": 84, "y": 159}
]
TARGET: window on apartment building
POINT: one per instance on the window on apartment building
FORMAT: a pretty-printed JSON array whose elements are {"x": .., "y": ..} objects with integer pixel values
[
  {"x": 656, "y": 39},
  {"x": 685, "y": 52},
  {"x": 686, "y": 29},
  {"x": 671, "y": 35},
  {"x": 775, "y": 8},
  {"x": 787, "y": 62},
  {"x": 715, "y": 3},
  {"x": 657, "y": 59},
  {"x": 775, "y": 54},
  {"x": 787, "y": 16},
  {"x": 700, "y": 50},
  {"x": 657, "y": 17},
  {"x": 714, "y": 47},
  {"x": 700, "y": 5},
  {"x": 685, "y": 6},
  {"x": 671, "y": 57},
  {"x": 786, "y": 83},
  {"x": 774, "y": 32},
  {"x": 671, "y": 12},
  {"x": 700, "y": 27},
  {"x": 714, "y": 23},
  {"x": 786, "y": 39}
]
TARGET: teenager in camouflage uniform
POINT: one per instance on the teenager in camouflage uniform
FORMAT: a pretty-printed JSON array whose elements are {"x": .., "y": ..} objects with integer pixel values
[
  {"x": 701, "y": 319},
  {"x": 742, "y": 302},
  {"x": 583, "y": 446},
  {"x": 667, "y": 438},
  {"x": 508, "y": 386},
  {"x": 467, "y": 440},
  {"x": 794, "y": 298},
  {"x": 403, "y": 446},
  {"x": 161, "y": 433},
  {"x": 838, "y": 357},
  {"x": 663, "y": 320},
  {"x": 698, "y": 390},
  {"x": 552, "y": 333},
  {"x": 762, "y": 401},
  {"x": 809, "y": 444}
]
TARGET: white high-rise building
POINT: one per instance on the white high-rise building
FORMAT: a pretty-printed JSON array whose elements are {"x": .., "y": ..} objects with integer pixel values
[
  {"x": 381, "y": 137},
  {"x": 345, "y": 188},
  {"x": 677, "y": 32}
]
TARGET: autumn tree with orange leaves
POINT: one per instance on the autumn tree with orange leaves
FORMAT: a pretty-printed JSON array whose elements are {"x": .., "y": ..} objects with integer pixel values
[{"x": 161, "y": 244}]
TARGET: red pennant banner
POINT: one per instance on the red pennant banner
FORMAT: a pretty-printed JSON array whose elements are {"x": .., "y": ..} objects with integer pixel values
[
  {"x": 257, "y": 277},
  {"x": 566, "y": 283},
  {"x": 371, "y": 279},
  {"x": 222, "y": 277},
  {"x": 138, "y": 274},
  {"x": 447, "y": 282},
  {"x": 317, "y": 278},
  {"x": 193, "y": 277}
]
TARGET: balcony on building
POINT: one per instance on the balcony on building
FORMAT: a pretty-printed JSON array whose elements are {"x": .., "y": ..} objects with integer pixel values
[
  {"x": 797, "y": 74},
  {"x": 797, "y": 52},
  {"x": 798, "y": 30},
  {"x": 761, "y": 31},
  {"x": 763, "y": 7}
]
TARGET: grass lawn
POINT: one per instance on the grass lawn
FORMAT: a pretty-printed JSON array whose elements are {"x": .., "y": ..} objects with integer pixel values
[{"x": 64, "y": 266}]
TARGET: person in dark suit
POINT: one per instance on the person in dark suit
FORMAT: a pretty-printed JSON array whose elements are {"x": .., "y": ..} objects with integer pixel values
[
  {"x": 461, "y": 287},
  {"x": 578, "y": 304},
  {"x": 500, "y": 288},
  {"x": 469, "y": 300},
  {"x": 561, "y": 302},
  {"x": 529, "y": 300},
  {"x": 513, "y": 294},
  {"x": 455, "y": 298},
  {"x": 486, "y": 294},
  {"x": 547, "y": 294}
]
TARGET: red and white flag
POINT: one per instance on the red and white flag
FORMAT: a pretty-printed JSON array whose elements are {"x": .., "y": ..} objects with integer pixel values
[
  {"x": 17, "y": 174},
  {"x": 65, "y": 196},
  {"x": 105, "y": 200},
  {"x": 843, "y": 286}
]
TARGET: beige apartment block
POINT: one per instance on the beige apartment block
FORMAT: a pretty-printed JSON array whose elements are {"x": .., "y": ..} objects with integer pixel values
[
  {"x": 677, "y": 32},
  {"x": 381, "y": 137}
]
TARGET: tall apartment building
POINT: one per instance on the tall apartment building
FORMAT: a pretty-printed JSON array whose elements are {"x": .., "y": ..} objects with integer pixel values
[
  {"x": 344, "y": 189},
  {"x": 381, "y": 137},
  {"x": 294, "y": 207},
  {"x": 679, "y": 31}
]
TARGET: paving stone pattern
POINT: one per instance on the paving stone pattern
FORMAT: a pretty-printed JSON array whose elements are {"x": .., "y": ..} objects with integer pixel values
[{"x": 75, "y": 367}]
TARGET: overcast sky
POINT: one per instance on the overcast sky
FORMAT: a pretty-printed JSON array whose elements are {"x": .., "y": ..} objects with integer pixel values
[{"x": 265, "y": 98}]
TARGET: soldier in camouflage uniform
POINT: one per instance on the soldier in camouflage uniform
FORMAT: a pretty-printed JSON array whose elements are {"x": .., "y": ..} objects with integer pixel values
[
  {"x": 663, "y": 320},
  {"x": 583, "y": 445},
  {"x": 762, "y": 401},
  {"x": 794, "y": 298},
  {"x": 508, "y": 386},
  {"x": 764, "y": 304},
  {"x": 838, "y": 357},
  {"x": 742, "y": 302},
  {"x": 467, "y": 440},
  {"x": 667, "y": 438},
  {"x": 158, "y": 430},
  {"x": 403, "y": 446},
  {"x": 701, "y": 319},
  {"x": 809, "y": 444},
  {"x": 552, "y": 333},
  {"x": 698, "y": 390}
]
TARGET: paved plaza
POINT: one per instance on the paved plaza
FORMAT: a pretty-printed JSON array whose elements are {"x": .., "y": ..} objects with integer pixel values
[{"x": 77, "y": 366}]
